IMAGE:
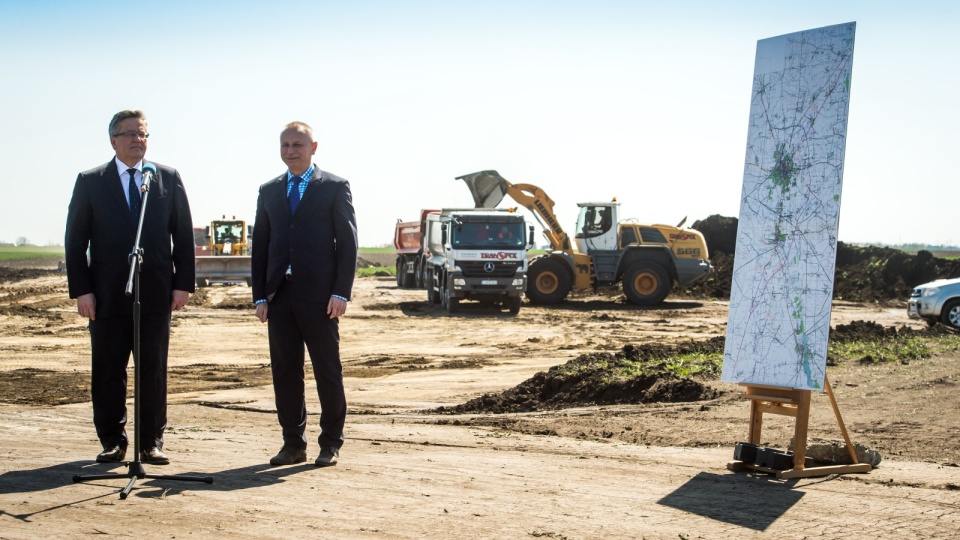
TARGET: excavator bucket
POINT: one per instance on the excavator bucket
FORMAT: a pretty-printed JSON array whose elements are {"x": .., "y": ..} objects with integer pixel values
[{"x": 487, "y": 187}]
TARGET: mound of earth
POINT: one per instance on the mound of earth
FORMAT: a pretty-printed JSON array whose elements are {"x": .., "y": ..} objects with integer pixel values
[
  {"x": 10, "y": 273},
  {"x": 594, "y": 379},
  {"x": 862, "y": 274}
]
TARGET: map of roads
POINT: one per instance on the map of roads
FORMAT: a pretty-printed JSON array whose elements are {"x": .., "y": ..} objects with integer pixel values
[{"x": 779, "y": 319}]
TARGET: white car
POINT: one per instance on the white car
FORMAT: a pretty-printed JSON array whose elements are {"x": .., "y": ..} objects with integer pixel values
[{"x": 937, "y": 301}]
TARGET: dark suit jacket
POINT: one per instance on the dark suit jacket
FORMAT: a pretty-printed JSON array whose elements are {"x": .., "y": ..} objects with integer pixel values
[
  {"x": 319, "y": 242},
  {"x": 99, "y": 218}
]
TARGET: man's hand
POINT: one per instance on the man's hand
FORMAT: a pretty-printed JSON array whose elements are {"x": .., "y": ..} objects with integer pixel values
[
  {"x": 87, "y": 306},
  {"x": 180, "y": 299},
  {"x": 262, "y": 311},
  {"x": 336, "y": 307}
]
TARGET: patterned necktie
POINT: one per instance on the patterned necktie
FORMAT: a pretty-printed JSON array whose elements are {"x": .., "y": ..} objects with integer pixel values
[
  {"x": 295, "y": 195},
  {"x": 134, "y": 192}
]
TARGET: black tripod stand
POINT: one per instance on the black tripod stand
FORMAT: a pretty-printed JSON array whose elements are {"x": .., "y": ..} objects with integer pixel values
[{"x": 135, "y": 469}]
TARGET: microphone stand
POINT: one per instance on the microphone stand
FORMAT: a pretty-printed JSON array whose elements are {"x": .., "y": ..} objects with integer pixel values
[{"x": 135, "y": 469}]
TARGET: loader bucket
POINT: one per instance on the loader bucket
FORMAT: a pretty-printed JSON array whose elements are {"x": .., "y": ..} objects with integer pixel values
[{"x": 487, "y": 187}]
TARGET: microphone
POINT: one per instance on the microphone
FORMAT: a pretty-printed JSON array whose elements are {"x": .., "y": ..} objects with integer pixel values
[{"x": 148, "y": 172}]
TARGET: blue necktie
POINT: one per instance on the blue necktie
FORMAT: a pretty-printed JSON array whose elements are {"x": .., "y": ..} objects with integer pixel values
[
  {"x": 134, "y": 195},
  {"x": 295, "y": 195}
]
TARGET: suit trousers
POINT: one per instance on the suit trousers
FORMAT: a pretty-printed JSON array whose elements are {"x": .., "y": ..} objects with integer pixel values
[
  {"x": 293, "y": 323},
  {"x": 111, "y": 343}
]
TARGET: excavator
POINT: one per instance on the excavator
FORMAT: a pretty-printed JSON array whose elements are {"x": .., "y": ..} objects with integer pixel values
[{"x": 647, "y": 260}]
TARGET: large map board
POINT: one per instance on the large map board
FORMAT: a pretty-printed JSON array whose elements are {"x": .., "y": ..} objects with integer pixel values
[{"x": 779, "y": 319}]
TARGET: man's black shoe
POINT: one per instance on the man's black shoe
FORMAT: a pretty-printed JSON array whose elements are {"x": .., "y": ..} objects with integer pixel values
[
  {"x": 328, "y": 457},
  {"x": 289, "y": 455},
  {"x": 112, "y": 454},
  {"x": 154, "y": 456}
]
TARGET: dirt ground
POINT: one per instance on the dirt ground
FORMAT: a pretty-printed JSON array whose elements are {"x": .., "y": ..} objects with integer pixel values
[{"x": 409, "y": 470}]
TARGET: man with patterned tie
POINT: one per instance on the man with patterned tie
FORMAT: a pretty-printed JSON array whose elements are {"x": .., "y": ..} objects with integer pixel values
[
  {"x": 102, "y": 222},
  {"x": 303, "y": 262}
]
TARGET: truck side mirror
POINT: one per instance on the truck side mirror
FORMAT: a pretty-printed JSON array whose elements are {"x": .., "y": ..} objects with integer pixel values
[
  {"x": 531, "y": 242},
  {"x": 207, "y": 231},
  {"x": 443, "y": 234}
]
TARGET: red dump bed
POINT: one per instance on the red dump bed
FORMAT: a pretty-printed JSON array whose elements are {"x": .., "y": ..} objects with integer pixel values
[{"x": 407, "y": 235}]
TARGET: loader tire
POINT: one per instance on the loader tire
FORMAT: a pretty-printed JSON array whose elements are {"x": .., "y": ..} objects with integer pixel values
[
  {"x": 646, "y": 284},
  {"x": 548, "y": 282}
]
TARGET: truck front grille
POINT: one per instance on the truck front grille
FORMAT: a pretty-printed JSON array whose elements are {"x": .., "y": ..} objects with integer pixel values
[{"x": 479, "y": 269}]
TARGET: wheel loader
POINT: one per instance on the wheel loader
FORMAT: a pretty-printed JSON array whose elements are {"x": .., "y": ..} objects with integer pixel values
[
  {"x": 646, "y": 260},
  {"x": 224, "y": 255}
]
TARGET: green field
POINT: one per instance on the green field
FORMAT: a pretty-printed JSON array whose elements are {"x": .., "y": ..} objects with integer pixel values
[{"x": 30, "y": 252}]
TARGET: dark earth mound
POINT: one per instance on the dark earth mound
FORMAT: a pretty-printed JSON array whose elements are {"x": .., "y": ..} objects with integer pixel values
[
  {"x": 862, "y": 274},
  {"x": 597, "y": 379},
  {"x": 9, "y": 273},
  {"x": 593, "y": 379}
]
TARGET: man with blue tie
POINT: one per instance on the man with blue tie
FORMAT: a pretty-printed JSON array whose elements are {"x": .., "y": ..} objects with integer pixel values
[
  {"x": 303, "y": 263},
  {"x": 102, "y": 221}
]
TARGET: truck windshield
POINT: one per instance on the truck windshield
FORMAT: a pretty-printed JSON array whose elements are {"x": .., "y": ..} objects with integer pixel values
[{"x": 482, "y": 235}]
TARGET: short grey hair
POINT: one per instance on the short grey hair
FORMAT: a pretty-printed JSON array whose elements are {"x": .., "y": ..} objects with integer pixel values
[
  {"x": 301, "y": 127},
  {"x": 123, "y": 115}
]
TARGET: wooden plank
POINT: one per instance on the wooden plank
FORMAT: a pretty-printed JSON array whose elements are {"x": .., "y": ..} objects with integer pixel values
[
  {"x": 824, "y": 471},
  {"x": 774, "y": 399},
  {"x": 775, "y": 408}
]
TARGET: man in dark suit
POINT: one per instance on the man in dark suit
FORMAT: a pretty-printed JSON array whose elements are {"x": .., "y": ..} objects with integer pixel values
[
  {"x": 102, "y": 222},
  {"x": 303, "y": 262}
]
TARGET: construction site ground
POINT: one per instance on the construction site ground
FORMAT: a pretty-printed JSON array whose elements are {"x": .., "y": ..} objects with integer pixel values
[{"x": 653, "y": 470}]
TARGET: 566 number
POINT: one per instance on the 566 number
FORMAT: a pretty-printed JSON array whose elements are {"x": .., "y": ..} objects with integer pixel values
[{"x": 695, "y": 252}]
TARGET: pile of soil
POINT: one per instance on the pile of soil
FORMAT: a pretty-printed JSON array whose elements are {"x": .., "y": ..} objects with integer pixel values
[
  {"x": 10, "y": 272},
  {"x": 591, "y": 379},
  {"x": 862, "y": 274}
]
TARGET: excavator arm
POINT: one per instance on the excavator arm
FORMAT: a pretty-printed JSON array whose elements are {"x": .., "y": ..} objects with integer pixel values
[{"x": 488, "y": 189}]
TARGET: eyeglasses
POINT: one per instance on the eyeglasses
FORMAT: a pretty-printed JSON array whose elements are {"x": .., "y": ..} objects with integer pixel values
[{"x": 133, "y": 134}]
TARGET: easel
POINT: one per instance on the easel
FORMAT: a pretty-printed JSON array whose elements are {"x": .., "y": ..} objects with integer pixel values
[{"x": 795, "y": 403}]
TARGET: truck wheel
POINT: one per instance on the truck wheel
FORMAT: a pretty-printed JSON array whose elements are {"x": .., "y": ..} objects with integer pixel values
[
  {"x": 950, "y": 315},
  {"x": 549, "y": 282},
  {"x": 201, "y": 282},
  {"x": 646, "y": 283},
  {"x": 417, "y": 275},
  {"x": 432, "y": 295},
  {"x": 513, "y": 304},
  {"x": 450, "y": 303},
  {"x": 399, "y": 272},
  {"x": 409, "y": 280}
]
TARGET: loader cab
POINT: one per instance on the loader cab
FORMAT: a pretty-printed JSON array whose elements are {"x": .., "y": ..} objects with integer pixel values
[
  {"x": 596, "y": 226},
  {"x": 228, "y": 237}
]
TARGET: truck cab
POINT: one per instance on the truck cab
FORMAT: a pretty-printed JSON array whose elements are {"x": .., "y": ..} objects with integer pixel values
[{"x": 477, "y": 255}]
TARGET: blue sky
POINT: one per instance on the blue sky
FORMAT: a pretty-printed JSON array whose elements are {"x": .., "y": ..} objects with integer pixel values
[{"x": 645, "y": 101}]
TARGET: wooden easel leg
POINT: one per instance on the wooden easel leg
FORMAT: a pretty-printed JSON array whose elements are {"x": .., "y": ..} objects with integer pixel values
[
  {"x": 756, "y": 422},
  {"x": 843, "y": 428},
  {"x": 800, "y": 432}
]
